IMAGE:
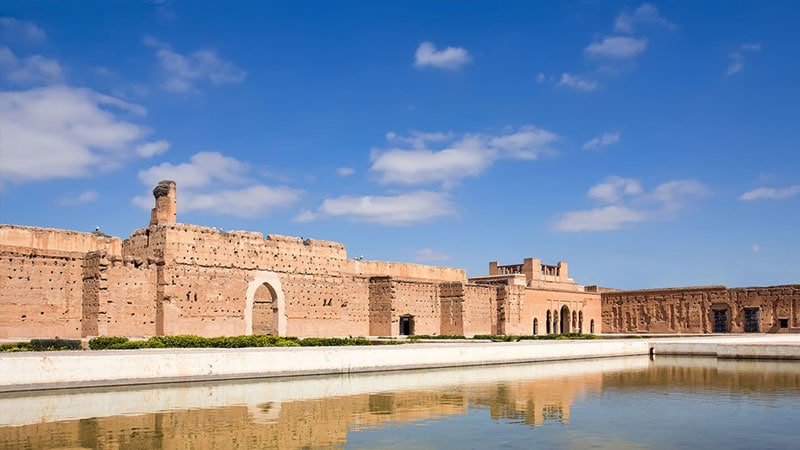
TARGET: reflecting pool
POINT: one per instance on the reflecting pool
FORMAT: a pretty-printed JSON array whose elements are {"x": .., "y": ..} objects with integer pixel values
[{"x": 609, "y": 403}]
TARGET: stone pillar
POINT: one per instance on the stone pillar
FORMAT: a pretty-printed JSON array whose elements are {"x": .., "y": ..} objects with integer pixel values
[
  {"x": 563, "y": 271},
  {"x": 166, "y": 210},
  {"x": 493, "y": 270}
]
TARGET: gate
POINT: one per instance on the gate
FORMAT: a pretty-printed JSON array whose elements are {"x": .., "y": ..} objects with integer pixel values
[{"x": 751, "y": 320}]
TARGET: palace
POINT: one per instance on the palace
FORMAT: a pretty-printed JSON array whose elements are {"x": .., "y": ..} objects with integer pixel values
[{"x": 171, "y": 278}]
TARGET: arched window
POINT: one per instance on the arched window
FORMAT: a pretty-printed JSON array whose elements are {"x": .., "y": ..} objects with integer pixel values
[
  {"x": 555, "y": 322},
  {"x": 574, "y": 320},
  {"x": 580, "y": 321},
  {"x": 591, "y": 326},
  {"x": 535, "y": 327},
  {"x": 547, "y": 323}
]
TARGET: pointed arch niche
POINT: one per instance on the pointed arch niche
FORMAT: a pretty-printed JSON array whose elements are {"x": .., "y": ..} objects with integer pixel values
[{"x": 265, "y": 308}]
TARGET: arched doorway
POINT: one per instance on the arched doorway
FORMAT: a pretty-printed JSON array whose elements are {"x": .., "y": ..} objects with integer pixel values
[
  {"x": 265, "y": 310},
  {"x": 580, "y": 321},
  {"x": 591, "y": 326},
  {"x": 535, "y": 327},
  {"x": 547, "y": 322},
  {"x": 565, "y": 319}
]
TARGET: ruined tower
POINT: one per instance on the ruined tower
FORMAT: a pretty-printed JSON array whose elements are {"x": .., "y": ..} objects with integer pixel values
[{"x": 166, "y": 203}]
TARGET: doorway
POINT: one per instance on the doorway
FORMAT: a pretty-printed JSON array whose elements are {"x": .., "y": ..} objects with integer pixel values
[
  {"x": 565, "y": 320},
  {"x": 720, "y": 321},
  {"x": 751, "y": 320},
  {"x": 265, "y": 310},
  {"x": 406, "y": 325}
]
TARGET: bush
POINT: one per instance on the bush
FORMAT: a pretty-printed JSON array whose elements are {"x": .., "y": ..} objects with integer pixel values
[
  {"x": 104, "y": 342},
  {"x": 333, "y": 342},
  {"x": 55, "y": 344},
  {"x": 442, "y": 336},
  {"x": 544, "y": 337},
  {"x": 18, "y": 347}
]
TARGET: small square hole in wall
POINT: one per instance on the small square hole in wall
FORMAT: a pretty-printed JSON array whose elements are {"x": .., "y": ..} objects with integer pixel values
[{"x": 784, "y": 323}]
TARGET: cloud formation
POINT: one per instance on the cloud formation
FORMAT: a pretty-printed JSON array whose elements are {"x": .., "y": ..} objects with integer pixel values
[
  {"x": 645, "y": 15},
  {"x": 22, "y": 30},
  {"x": 183, "y": 72},
  {"x": 738, "y": 58},
  {"x": 402, "y": 209},
  {"x": 447, "y": 158},
  {"x": 213, "y": 182},
  {"x": 603, "y": 141},
  {"x": 345, "y": 171},
  {"x": 617, "y": 47},
  {"x": 763, "y": 193},
  {"x": 623, "y": 202},
  {"x": 65, "y": 132},
  {"x": 429, "y": 255},
  {"x": 450, "y": 58},
  {"x": 79, "y": 199},
  {"x": 34, "y": 69},
  {"x": 577, "y": 83}
]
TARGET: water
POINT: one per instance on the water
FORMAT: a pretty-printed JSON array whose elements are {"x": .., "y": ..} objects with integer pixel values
[{"x": 619, "y": 403}]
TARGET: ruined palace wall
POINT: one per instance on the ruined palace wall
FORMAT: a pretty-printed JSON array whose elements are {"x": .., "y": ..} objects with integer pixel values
[
  {"x": 47, "y": 239},
  {"x": 129, "y": 298},
  {"x": 691, "y": 309},
  {"x": 480, "y": 309},
  {"x": 420, "y": 299},
  {"x": 40, "y": 292},
  {"x": 405, "y": 271},
  {"x": 207, "y": 273},
  {"x": 327, "y": 306},
  {"x": 585, "y": 306}
]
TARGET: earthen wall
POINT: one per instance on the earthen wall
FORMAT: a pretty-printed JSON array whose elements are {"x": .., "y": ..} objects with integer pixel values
[
  {"x": 692, "y": 310},
  {"x": 480, "y": 310},
  {"x": 41, "y": 292}
]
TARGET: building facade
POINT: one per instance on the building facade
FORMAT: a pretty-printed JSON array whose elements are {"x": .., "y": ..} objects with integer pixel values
[{"x": 171, "y": 278}]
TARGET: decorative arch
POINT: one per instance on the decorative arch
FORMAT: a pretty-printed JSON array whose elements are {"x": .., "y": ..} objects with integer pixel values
[
  {"x": 265, "y": 305},
  {"x": 535, "y": 326},
  {"x": 565, "y": 319},
  {"x": 548, "y": 322},
  {"x": 591, "y": 326}
]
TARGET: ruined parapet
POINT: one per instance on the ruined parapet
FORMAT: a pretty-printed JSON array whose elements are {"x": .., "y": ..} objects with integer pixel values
[{"x": 166, "y": 210}]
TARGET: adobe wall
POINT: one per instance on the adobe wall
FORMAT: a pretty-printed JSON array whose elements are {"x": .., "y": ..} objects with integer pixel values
[
  {"x": 585, "y": 306},
  {"x": 40, "y": 293},
  {"x": 480, "y": 310},
  {"x": 48, "y": 239},
  {"x": 405, "y": 270},
  {"x": 692, "y": 309}
]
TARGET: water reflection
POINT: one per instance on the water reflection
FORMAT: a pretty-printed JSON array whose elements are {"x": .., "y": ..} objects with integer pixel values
[{"x": 581, "y": 398}]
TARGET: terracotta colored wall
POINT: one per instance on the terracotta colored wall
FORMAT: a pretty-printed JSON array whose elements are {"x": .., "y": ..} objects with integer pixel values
[
  {"x": 586, "y": 305},
  {"x": 690, "y": 310},
  {"x": 40, "y": 293},
  {"x": 480, "y": 309}
]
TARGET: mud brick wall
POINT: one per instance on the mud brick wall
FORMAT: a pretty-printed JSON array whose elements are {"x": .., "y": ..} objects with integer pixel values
[
  {"x": 381, "y": 292},
  {"x": 451, "y": 307},
  {"x": 691, "y": 310},
  {"x": 480, "y": 309},
  {"x": 326, "y": 306},
  {"x": 419, "y": 299},
  {"x": 40, "y": 293}
]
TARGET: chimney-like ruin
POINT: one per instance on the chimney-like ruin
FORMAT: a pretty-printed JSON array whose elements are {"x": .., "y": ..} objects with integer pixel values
[{"x": 166, "y": 210}]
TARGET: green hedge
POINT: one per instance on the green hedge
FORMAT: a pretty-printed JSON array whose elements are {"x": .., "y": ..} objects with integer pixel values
[
  {"x": 440, "y": 336},
  {"x": 542, "y": 337},
  {"x": 41, "y": 345},
  {"x": 191, "y": 341}
]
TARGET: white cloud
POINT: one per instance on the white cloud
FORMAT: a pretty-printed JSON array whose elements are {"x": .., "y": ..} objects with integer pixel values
[
  {"x": 428, "y": 255},
  {"x": 738, "y": 58},
  {"x": 462, "y": 156},
  {"x": 204, "y": 183},
  {"x": 628, "y": 204},
  {"x": 64, "y": 132},
  {"x": 403, "y": 209},
  {"x": 32, "y": 69},
  {"x": 646, "y": 14},
  {"x": 345, "y": 171},
  {"x": 202, "y": 169},
  {"x": 150, "y": 149},
  {"x": 617, "y": 47},
  {"x": 183, "y": 71},
  {"x": 770, "y": 193},
  {"x": 451, "y": 58},
  {"x": 79, "y": 199},
  {"x": 577, "y": 83},
  {"x": 614, "y": 188},
  {"x": 11, "y": 28},
  {"x": 603, "y": 141},
  {"x": 611, "y": 217},
  {"x": 756, "y": 248},
  {"x": 541, "y": 78}
]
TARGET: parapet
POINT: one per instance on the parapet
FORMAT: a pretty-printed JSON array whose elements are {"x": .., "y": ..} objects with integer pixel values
[{"x": 534, "y": 271}]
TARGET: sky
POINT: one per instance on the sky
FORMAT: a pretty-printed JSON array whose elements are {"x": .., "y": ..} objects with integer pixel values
[{"x": 648, "y": 144}]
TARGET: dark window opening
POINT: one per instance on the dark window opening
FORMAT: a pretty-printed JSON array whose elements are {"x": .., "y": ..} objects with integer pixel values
[
  {"x": 720, "y": 321},
  {"x": 751, "y": 320},
  {"x": 784, "y": 323},
  {"x": 548, "y": 321}
]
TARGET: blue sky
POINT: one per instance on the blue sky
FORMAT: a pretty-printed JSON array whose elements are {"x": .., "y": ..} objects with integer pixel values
[{"x": 647, "y": 144}]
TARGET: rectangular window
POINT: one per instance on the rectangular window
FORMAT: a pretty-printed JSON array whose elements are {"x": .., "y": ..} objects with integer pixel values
[
  {"x": 751, "y": 320},
  {"x": 784, "y": 323}
]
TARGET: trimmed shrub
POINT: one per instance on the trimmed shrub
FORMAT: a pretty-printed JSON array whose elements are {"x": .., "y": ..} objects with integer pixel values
[
  {"x": 442, "y": 336},
  {"x": 18, "y": 347},
  {"x": 105, "y": 342},
  {"x": 55, "y": 344},
  {"x": 333, "y": 342}
]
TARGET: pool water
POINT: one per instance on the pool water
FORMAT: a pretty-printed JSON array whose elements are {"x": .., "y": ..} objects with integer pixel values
[{"x": 612, "y": 403}]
